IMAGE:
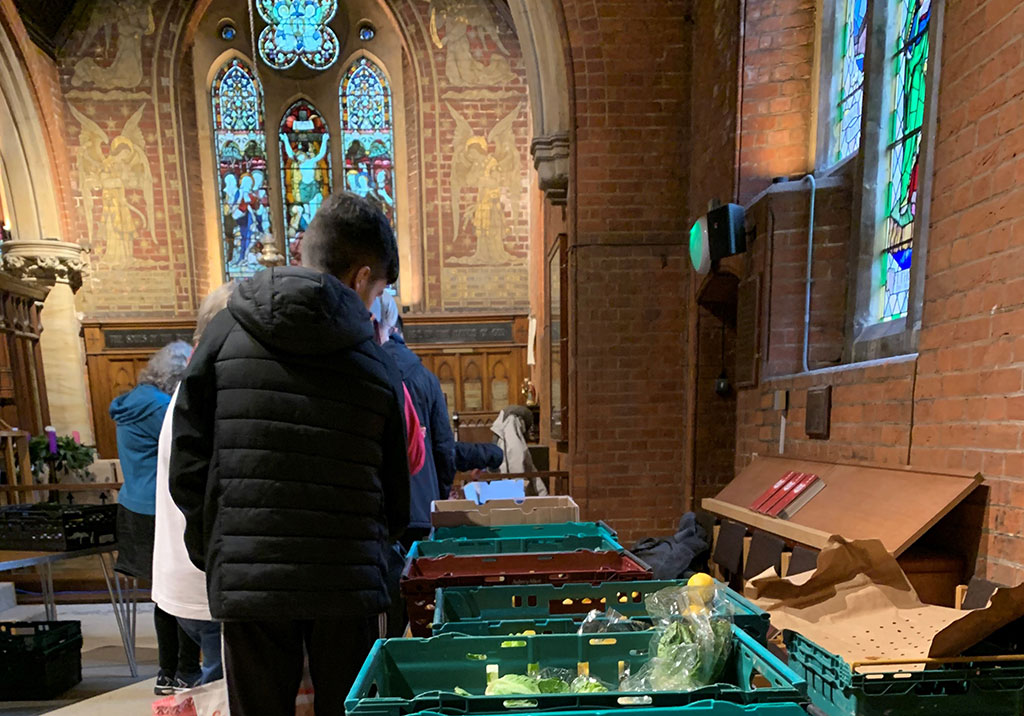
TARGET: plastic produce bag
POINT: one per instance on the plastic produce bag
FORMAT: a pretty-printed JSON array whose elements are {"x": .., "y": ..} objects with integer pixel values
[
  {"x": 693, "y": 636},
  {"x": 609, "y": 622}
]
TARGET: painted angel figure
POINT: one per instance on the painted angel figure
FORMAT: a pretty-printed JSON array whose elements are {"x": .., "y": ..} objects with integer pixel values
[
  {"x": 115, "y": 167},
  {"x": 462, "y": 68},
  {"x": 492, "y": 165}
]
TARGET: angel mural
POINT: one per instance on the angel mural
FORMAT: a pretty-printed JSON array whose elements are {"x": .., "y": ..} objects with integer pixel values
[
  {"x": 113, "y": 168},
  {"x": 133, "y": 20},
  {"x": 462, "y": 68},
  {"x": 491, "y": 165}
]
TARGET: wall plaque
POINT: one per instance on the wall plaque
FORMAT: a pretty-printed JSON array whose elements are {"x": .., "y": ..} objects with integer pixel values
[
  {"x": 434, "y": 333},
  {"x": 147, "y": 338}
]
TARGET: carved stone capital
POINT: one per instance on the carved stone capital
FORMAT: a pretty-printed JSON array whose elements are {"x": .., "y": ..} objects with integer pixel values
[
  {"x": 43, "y": 262},
  {"x": 551, "y": 158}
]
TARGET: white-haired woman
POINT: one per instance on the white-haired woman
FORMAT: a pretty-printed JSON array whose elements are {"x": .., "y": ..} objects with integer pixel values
[{"x": 139, "y": 414}]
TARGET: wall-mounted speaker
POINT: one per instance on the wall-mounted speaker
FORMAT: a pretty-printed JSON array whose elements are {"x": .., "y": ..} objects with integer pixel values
[{"x": 718, "y": 234}]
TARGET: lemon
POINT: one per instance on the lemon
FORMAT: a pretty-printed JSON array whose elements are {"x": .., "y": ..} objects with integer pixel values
[{"x": 701, "y": 588}]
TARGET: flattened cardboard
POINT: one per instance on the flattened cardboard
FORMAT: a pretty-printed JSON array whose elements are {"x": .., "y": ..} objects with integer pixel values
[{"x": 859, "y": 605}]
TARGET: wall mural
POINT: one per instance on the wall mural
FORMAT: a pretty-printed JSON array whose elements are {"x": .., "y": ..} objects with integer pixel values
[
  {"x": 450, "y": 24},
  {"x": 305, "y": 173},
  {"x": 108, "y": 170},
  {"x": 487, "y": 172},
  {"x": 114, "y": 34}
]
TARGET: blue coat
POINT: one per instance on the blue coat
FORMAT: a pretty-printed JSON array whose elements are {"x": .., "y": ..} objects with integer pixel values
[
  {"x": 139, "y": 414},
  {"x": 434, "y": 481}
]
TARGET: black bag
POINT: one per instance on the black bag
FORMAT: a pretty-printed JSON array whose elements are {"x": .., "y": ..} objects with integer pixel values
[{"x": 678, "y": 556}]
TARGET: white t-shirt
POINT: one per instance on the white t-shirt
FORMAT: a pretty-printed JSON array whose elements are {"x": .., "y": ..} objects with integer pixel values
[{"x": 179, "y": 588}]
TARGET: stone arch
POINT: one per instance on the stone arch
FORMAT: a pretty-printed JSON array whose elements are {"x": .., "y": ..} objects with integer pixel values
[{"x": 540, "y": 25}]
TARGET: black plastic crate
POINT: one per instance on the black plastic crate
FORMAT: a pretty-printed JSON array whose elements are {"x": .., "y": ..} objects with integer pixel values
[
  {"x": 52, "y": 527},
  {"x": 39, "y": 660}
]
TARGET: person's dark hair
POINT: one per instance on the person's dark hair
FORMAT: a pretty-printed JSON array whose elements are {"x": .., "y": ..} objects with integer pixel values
[{"x": 349, "y": 232}]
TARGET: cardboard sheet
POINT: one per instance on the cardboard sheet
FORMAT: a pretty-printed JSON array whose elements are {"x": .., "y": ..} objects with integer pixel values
[{"x": 859, "y": 604}]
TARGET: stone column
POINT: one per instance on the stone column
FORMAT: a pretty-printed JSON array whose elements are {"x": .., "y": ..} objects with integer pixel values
[{"x": 58, "y": 266}]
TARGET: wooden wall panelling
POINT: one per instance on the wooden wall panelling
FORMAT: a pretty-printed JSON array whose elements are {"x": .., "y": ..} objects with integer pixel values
[
  {"x": 116, "y": 351},
  {"x": 473, "y": 397},
  {"x": 23, "y": 402}
]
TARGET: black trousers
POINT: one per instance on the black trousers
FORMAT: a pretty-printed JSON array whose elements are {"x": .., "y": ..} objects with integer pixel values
[
  {"x": 177, "y": 652},
  {"x": 263, "y": 663}
]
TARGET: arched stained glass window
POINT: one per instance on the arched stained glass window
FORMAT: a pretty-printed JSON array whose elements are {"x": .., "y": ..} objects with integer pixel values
[
  {"x": 909, "y": 65},
  {"x": 305, "y": 171},
  {"x": 241, "y": 149},
  {"x": 297, "y": 30},
  {"x": 368, "y": 134},
  {"x": 849, "y": 102}
]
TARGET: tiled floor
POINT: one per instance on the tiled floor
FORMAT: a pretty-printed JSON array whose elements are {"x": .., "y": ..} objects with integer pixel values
[{"x": 106, "y": 688}]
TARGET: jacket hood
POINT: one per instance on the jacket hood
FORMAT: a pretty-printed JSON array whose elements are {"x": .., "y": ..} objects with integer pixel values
[
  {"x": 138, "y": 404},
  {"x": 402, "y": 354},
  {"x": 298, "y": 310}
]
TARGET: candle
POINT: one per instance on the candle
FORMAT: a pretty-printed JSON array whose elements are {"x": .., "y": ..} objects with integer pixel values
[
  {"x": 51, "y": 433},
  {"x": 76, "y": 436}
]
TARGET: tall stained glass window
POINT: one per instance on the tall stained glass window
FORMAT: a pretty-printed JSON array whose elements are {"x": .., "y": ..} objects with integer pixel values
[
  {"x": 909, "y": 64},
  {"x": 849, "y": 102},
  {"x": 296, "y": 31},
  {"x": 241, "y": 149},
  {"x": 305, "y": 171},
  {"x": 368, "y": 134}
]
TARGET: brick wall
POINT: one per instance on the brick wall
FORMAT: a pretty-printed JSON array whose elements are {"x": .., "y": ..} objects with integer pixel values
[
  {"x": 713, "y": 93},
  {"x": 957, "y": 404},
  {"x": 715, "y": 416},
  {"x": 776, "y": 128},
  {"x": 628, "y": 276},
  {"x": 969, "y": 407}
]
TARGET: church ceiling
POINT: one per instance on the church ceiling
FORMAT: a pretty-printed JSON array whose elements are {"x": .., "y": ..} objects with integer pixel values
[{"x": 49, "y": 21}]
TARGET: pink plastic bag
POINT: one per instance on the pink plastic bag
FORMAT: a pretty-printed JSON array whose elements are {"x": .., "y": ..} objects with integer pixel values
[{"x": 212, "y": 700}]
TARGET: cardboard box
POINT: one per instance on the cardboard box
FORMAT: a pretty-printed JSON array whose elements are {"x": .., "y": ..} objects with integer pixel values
[{"x": 524, "y": 511}]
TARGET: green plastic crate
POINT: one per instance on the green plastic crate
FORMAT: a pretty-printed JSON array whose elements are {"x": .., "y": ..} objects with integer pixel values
[
  {"x": 546, "y": 609},
  {"x": 408, "y": 676},
  {"x": 708, "y": 707},
  {"x": 553, "y": 529},
  {"x": 39, "y": 660},
  {"x": 989, "y": 689},
  {"x": 510, "y": 545}
]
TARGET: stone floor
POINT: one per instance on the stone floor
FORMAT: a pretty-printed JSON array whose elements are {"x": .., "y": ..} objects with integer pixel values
[{"x": 106, "y": 687}]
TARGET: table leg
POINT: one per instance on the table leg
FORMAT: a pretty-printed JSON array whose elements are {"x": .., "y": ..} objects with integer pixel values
[
  {"x": 125, "y": 620},
  {"x": 46, "y": 583}
]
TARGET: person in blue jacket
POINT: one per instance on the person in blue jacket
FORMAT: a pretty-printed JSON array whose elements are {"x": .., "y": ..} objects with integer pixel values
[
  {"x": 139, "y": 415},
  {"x": 434, "y": 480}
]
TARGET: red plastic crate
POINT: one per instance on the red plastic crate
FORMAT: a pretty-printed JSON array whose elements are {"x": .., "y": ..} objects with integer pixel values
[{"x": 422, "y": 577}]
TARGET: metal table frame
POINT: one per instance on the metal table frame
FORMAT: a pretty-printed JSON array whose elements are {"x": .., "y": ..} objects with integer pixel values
[{"x": 123, "y": 600}]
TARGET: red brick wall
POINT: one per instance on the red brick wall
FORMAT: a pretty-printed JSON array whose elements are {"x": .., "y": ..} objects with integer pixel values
[
  {"x": 713, "y": 93},
  {"x": 628, "y": 277},
  {"x": 956, "y": 405},
  {"x": 969, "y": 403},
  {"x": 715, "y": 422},
  {"x": 776, "y": 127}
]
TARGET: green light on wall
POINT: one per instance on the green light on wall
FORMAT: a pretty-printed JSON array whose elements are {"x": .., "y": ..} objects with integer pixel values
[{"x": 700, "y": 248}]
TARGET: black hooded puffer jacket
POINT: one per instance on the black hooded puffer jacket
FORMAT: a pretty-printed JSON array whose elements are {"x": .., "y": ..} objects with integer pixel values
[{"x": 289, "y": 457}]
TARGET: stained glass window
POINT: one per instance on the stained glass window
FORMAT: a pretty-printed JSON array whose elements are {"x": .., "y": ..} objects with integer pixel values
[
  {"x": 241, "y": 167},
  {"x": 368, "y": 134},
  {"x": 297, "y": 30},
  {"x": 909, "y": 64},
  {"x": 852, "y": 38},
  {"x": 305, "y": 171}
]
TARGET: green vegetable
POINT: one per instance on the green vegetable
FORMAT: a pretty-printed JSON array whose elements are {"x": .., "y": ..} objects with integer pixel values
[
  {"x": 512, "y": 685},
  {"x": 584, "y": 685},
  {"x": 552, "y": 686},
  {"x": 459, "y": 691}
]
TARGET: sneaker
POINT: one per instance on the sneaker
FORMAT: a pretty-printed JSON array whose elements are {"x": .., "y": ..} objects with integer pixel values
[
  {"x": 188, "y": 681},
  {"x": 165, "y": 684}
]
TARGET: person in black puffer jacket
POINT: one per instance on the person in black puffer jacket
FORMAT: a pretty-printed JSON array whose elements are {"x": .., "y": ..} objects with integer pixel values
[{"x": 289, "y": 464}]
